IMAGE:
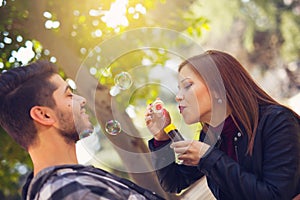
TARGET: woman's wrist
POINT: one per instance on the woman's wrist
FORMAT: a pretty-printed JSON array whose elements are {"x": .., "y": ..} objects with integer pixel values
[
  {"x": 161, "y": 137},
  {"x": 158, "y": 143}
]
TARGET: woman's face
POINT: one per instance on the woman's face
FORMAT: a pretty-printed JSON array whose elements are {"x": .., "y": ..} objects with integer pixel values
[{"x": 193, "y": 96}]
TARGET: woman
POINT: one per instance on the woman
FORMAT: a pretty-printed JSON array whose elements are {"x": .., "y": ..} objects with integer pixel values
[{"x": 249, "y": 146}]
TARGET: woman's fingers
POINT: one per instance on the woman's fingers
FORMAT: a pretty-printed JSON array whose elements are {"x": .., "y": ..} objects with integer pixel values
[
  {"x": 156, "y": 122},
  {"x": 148, "y": 120},
  {"x": 181, "y": 147},
  {"x": 180, "y": 144},
  {"x": 189, "y": 151}
]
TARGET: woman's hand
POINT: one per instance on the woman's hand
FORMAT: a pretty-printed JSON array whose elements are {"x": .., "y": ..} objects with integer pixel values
[
  {"x": 190, "y": 151},
  {"x": 156, "y": 122}
]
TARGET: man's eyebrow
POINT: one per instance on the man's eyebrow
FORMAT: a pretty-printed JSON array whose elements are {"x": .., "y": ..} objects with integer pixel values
[{"x": 67, "y": 87}]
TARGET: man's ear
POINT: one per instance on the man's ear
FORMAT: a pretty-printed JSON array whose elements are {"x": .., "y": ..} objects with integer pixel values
[{"x": 42, "y": 115}]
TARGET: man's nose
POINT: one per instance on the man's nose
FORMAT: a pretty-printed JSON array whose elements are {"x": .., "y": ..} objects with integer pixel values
[{"x": 81, "y": 100}]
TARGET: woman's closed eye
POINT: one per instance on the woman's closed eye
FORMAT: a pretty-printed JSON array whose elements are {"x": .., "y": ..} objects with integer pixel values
[{"x": 188, "y": 85}]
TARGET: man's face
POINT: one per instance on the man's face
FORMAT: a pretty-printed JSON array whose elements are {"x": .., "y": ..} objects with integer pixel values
[{"x": 70, "y": 112}]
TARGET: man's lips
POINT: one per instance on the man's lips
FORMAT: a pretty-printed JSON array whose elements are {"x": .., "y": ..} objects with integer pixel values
[
  {"x": 181, "y": 108},
  {"x": 83, "y": 112}
]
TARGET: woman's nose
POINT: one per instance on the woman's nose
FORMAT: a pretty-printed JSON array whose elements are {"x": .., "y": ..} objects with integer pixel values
[{"x": 179, "y": 97}]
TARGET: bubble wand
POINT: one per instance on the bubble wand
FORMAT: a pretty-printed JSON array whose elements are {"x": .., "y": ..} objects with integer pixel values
[{"x": 170, "y": 130}]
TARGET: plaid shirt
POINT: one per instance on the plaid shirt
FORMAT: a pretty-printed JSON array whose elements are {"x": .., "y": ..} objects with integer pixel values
[{"x": 81, "y": 182}]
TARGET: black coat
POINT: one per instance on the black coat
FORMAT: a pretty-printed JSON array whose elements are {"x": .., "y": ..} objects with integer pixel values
[{"x": 272, "y": 172}]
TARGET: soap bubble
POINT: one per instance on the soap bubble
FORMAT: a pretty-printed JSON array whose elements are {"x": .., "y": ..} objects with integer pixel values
[
  {"x": 113, "y": 127},
  {"x": 123, "y": 80}
]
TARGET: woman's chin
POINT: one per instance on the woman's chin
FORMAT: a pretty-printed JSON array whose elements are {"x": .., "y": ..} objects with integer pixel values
[{"x": 189, "y": 121}]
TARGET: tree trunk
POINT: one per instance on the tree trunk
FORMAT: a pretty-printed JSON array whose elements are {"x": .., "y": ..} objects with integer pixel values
[{"x": 70, "y": 63}]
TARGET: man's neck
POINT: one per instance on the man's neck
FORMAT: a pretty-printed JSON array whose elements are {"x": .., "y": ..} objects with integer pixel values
[{"x": 52, "y": 152}]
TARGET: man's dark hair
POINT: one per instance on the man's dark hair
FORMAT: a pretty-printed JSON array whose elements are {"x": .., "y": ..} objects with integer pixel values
[{"x": 22, "y": 88}]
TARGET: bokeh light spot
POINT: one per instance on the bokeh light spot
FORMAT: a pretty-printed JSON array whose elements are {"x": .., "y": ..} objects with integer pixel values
[
  {"x": 47, "y": 15},
  {"x": 19, "y": 38},
  {"x": 71, "y": 83},
  {"x": 53, "y": 59}
]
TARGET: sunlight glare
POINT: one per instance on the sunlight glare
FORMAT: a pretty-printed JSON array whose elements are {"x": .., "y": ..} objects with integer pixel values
[
  {"x": 140, "y": 8},
  {"x": 2, "y": 3},
  {"x": 71, "y": 83},
  {"x": 47, "y": 15},
  {"x": 19, "y": 38},
  {"x": 130, "y": 110},
  {"x": 24, "y": 54},
  {"x": 49, "y": 24},
  {"x": 53, "y": 59},
  {"x": 131, "y": 10},
  {"x": 116, "y": 16},
  {"x": 98, "y": 33},
  {"x": 7, "y": 40}
]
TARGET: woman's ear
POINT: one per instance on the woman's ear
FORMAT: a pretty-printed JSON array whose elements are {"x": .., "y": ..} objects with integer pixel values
[
  {"x": 217, "y": 97},
  {"x": 42, "y": 115}
]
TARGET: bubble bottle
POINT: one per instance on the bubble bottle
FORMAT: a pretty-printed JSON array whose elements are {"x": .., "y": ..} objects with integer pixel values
[{"x": 173, "y": 133}]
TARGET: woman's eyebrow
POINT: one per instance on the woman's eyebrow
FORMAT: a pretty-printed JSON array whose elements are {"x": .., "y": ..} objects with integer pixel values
[{"x": 185, "y": 79}]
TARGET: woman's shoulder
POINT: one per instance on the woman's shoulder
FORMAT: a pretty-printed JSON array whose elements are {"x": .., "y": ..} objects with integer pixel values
[
  {"x": 278, "y": 117},
  {"x": 276, "y": 110}
]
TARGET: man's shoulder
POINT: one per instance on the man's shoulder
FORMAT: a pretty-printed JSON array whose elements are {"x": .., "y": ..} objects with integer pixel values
[
  {"x": 83, "y": 182},
  {"x": 61, "y": 181}
]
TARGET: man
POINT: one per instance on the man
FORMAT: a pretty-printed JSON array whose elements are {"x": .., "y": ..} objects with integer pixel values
[{"x": 40, "y": 112}]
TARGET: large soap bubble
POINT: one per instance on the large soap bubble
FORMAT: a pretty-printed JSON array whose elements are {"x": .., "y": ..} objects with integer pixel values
[{"x": 150, "y": 57}]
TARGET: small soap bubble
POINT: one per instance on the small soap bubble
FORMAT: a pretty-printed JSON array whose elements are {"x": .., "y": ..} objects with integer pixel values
[
  {"x": 113, "y": 127},
  {"x": 123, "y": 80}
]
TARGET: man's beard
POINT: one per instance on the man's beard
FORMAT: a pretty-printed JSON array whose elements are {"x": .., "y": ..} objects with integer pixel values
[
  {"x": 71, "y": 126},
  {"x": 67, "y": 128},
  {"x": 69, "y": 137}
]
